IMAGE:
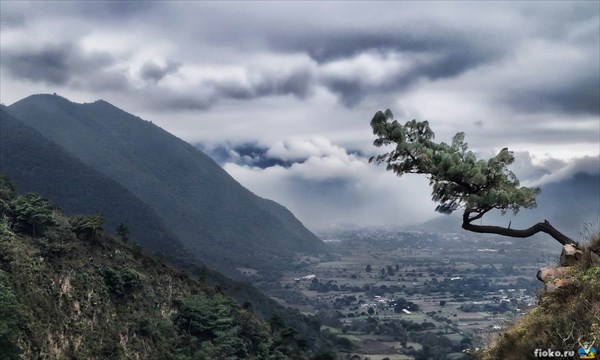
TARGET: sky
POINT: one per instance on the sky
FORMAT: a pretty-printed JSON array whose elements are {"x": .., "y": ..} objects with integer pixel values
[{"x": 281, "y": 93}]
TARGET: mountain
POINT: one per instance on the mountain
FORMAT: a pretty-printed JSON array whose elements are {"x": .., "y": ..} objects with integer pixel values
[
  {"x": 568, "y": 205},
  {"x": 36, "y": 164},
  {"x": 70, "y": 293},
  {"x": 219, "y": 221}
]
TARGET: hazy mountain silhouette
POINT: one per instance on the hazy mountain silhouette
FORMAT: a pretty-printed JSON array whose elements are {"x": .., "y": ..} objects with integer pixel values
[{"x": 218, "y": 220}]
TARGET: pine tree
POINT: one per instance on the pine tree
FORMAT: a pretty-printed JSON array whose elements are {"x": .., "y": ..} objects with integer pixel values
[
  {"x": 122, "y": 232},
  {"x": 458, "y": 179}
]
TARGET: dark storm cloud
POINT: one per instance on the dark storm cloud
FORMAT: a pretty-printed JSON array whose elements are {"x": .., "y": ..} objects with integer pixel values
[
  {"x": 589, "y": 165},
  {"x": 542, "y": 134},
  {"x": 11, "y": 19},
  {"x": 105, "y": 10},
  {"x": 207, "y": 93},
  {"x": 576, "y": 96},
  {"x": 297, "y": 83},
  {"x": 151, "y": 71},
  {"x": 351, "y": 91},
  {"x": 349, "y": 42},
  {"x": 53, "y": 64},
  {"x": 125, "y": 8},
  {"x": 450, "y": 53},
  {"x": 445, "y": 64}
]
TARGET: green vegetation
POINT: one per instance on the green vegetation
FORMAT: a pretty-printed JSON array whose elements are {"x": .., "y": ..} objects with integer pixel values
[
  {"x": 32, "y": 213},
  {"x": 71, "y": 291},
  {"x": 12, "y": 319},
  {"x": 458, "y": 179},
  {"x": 123, "y": 232}
]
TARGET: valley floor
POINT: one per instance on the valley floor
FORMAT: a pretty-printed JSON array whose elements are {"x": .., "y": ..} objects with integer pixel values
[{"x": 407, "y": 295}]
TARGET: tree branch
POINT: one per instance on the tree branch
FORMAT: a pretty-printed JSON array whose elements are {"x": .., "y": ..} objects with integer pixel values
[
  {"x": 544, "y": 227},
  {"x": 479, "y": 215}
]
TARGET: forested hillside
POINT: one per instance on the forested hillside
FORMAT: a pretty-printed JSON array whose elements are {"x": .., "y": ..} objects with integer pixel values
[{"x": 67, "y": 290}]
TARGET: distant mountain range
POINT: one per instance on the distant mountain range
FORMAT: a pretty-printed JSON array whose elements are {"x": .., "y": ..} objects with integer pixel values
[{"x": 88, "y": 156}]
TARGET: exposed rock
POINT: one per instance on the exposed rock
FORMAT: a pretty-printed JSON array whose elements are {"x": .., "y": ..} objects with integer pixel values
[
  {"x": 555, "y": 278},
  {"x": 570, "y": 255},
  {"x": 556, "y": 284},
  {"x": 549, "y": 273}
]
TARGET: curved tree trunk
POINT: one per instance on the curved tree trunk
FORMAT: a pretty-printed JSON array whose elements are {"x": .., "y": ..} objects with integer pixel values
[{"x": 544, "y": 227}]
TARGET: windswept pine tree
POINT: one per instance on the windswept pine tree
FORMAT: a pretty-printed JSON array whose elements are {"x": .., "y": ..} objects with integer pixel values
[{"x": 458, "y": 179}]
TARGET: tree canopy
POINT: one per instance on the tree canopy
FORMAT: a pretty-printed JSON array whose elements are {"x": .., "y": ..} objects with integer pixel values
[{"x": 458, "y": 179}]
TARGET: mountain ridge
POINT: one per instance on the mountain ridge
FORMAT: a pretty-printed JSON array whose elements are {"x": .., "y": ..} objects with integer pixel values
[{"x": 203, "y": 205}]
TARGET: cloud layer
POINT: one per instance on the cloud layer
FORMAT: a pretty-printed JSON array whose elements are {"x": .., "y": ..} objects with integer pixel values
[{"x": 282, "y": 93}]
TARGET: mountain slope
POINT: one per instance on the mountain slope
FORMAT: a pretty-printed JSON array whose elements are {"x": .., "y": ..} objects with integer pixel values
[
  {"x": 224, "y": 224},
  {"x": 67, "y": 295},
  {"x": 36, "y": 164}
]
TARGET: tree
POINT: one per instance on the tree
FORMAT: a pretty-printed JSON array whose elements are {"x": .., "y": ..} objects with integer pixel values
[
  {"x": 390, "y": 270},
  {"x": 87, "y": 226},
  {"x": 368, "y": 268},
  {"x": 275, "y": 323},
  {"x": 33, "y": 212},
  {"x": 458, "y": 179},
  {"x": 122, "y": 232}
]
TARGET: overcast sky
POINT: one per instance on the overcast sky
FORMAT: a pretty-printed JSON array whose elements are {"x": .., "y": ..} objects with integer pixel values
[{"x": 281, "y": 93}]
